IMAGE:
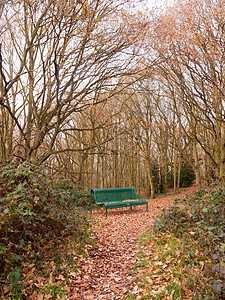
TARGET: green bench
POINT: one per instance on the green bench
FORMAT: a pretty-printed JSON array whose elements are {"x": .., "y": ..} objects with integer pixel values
[{"x": 116, "y": 197}]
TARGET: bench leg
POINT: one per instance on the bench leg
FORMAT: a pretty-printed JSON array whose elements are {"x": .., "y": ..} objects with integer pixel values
[
  {"x": 146, "y": 207},
  {"x": 106, "y": 212}
]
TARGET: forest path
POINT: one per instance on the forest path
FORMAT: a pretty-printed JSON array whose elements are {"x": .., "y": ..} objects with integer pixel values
[{"x": 106, "y": 272}]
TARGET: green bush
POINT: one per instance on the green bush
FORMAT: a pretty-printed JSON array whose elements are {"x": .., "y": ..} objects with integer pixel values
[
  {"x": 33, "y": 213},
  {"x": 71, "y": 196},
  {"x": 199, "y": 222},
  {"x": 173, "y": 219},
  {"x": 187, "y": 175}
]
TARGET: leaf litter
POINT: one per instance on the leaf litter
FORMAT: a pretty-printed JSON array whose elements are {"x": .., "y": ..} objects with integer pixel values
[{"x": 106, "y": 272}]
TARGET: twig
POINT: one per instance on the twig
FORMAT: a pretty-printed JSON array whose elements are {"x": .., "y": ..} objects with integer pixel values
[
  {"x": 4, "y": 282},
  {"x": 195, "y": 288}
]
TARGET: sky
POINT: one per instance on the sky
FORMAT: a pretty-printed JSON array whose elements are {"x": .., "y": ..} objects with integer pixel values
[{"x": 153, "y": 3}]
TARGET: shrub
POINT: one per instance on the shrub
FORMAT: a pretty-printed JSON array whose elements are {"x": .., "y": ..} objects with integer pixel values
[
  {"x": 34, "y": 213},
  {"x": 199, "y": 222},
  {"x": 174, "y": 219},
  {"x": 187, "y": 175},
  {"x": 71, "y": 196}
]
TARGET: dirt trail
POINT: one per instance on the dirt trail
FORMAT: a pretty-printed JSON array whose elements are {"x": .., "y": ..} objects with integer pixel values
[{"x": 105, "y": 274}]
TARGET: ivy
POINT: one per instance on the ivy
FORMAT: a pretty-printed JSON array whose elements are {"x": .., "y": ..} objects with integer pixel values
[
  {"x": 34, "y": 212},
  {"x": 187, "y": 241}
]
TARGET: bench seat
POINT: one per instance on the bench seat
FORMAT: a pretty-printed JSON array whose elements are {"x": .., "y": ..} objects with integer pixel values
[{"x": 125, "y": 203}]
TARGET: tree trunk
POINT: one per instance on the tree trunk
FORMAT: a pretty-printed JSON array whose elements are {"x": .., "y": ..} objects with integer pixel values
[
  {"x": 179, "y": 171},
  {"x": 174, "y": 168},
  {"x": 196, "y": 165},
  {"x": 150, "y": 178}
]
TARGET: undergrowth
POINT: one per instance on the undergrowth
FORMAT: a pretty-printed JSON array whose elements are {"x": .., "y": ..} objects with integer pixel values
[
  {"x": 183, "y": 255},
  {"x": 42, "y": 232}
]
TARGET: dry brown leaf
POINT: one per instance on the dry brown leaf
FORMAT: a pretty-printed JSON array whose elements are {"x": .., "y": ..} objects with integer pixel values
[{"x": 107, "y": 272}]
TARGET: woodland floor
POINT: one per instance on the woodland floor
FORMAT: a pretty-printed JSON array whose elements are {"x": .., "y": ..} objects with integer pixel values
[{"x": 107, "y": 272}]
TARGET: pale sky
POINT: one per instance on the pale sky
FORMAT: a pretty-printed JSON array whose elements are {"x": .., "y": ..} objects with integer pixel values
[{"x": 152, "y": 3}]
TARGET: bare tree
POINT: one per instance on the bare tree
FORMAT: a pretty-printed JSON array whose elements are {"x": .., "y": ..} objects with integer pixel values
[
  {"x": 189, "y": 37},
  {"x": 67, "y": 54}
]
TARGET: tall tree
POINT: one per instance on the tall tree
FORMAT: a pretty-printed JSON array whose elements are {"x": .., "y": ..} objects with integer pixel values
[
  {"x": 64, "y": 53},
  {"x": 190, "y": 39}
]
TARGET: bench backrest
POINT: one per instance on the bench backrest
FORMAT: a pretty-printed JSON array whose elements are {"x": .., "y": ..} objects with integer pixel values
[{"x": 114, "y": 195}]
